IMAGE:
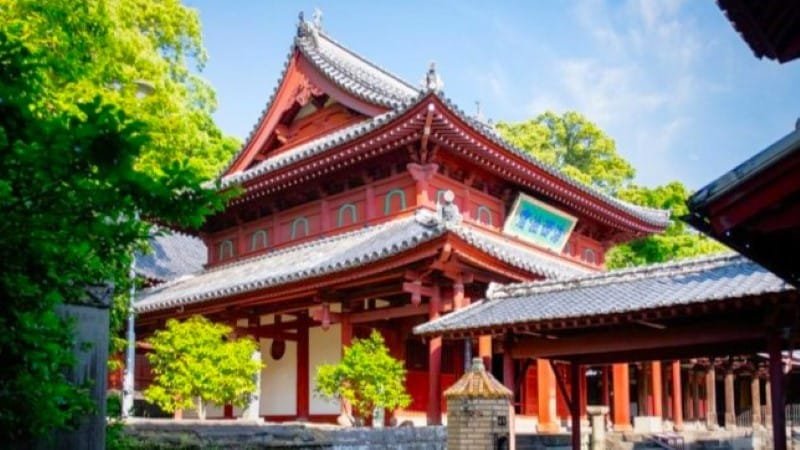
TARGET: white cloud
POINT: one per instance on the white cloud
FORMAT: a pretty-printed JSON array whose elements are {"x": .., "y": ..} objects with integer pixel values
[{"x": 638, "y": 82}]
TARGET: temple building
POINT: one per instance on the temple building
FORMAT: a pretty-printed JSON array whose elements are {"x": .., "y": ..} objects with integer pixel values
[{"x": 371, "y": 203}]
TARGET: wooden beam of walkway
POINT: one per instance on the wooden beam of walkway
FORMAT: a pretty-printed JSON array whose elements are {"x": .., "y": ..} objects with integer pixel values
[{"x": 622, "y": 345}]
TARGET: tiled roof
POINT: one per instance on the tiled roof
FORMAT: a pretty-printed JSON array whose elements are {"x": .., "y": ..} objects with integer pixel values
[
  {"x": 172, "y": 255},
  {"x": 478, "y": 383},
  {"x": 372, "y": 83},
  {"x": 352, "y": 72},
  {"x": 750, "y": 169},
  {"x": 339, "y": 253},
  {"x": 310, "y": 148},
  {"x": 715, "y": 278}
]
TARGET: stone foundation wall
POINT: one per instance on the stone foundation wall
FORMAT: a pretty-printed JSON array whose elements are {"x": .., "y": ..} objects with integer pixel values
[{"x": 240, "y": 435}]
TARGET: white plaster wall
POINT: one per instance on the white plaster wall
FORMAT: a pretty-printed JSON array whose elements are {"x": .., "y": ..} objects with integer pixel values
[
  {"x": 278, "y": 381},
  {"x": 324, "y": 348}
]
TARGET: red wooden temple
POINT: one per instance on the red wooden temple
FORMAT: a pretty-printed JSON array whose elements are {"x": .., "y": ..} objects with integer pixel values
[{"x": 372, "y": 203}]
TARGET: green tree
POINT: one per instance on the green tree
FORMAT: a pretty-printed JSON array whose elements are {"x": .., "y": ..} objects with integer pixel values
[
  {"x": 116, "y": 49},
  {"x": 71, "y": 195},
  {"x": 575, "y": 146},
  {"x": 367, "y": 377},
  {"x": 676, "y": 242},
  {"x": 195, "y": 362},
  {"x": 580, "y": 149}
]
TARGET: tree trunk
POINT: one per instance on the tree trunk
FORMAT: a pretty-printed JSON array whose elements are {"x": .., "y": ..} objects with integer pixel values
[{"x": 201, "y": 409}]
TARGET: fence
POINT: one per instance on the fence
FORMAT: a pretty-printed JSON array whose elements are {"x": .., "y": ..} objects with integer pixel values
[{"x": 745, "y": 418}]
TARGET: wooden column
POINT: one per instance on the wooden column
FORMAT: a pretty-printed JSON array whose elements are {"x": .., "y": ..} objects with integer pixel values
[
  {"x": 622, "y": 413},
  {"x": 730, "y": 412},
  {"x": 755, "y": 400},
  {"x": 485, "y": 351},
  {"x": 768, "y": 400},
  {"x": 508, "y": 365},
  {"x": 546, "y": 384},
  {"x": 697, "y": 414},
  {"x": 302, "y": 374},
  {"x": 677, "y": 396},
  {"x": 369, "y": 201},
  {"x": 688, "y": 404},
  {"x": 711, "y": 398},
  {"x": 655, "y": 389},
  {"x": 346, "y": 328},
  {"x": 575, "y": 404},
  {"x": 606, "y": 386},
  {"x": 777, "y": 392},
  {"x": 434, "y": 411}
]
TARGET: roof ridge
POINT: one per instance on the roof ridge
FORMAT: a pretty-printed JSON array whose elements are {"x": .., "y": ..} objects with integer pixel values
[
  {"x": 365, "y": 60},
  {"x": 685, "y": 266}
]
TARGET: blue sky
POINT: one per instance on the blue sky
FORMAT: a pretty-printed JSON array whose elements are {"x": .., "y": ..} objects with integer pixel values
[{"x": 670, "y": 81}]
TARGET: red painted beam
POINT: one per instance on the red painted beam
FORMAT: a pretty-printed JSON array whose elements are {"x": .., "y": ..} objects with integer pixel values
[{"x": 645, "y": 339}]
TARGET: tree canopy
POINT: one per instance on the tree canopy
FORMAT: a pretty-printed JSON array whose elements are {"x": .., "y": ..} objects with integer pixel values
[
  {"x": 121, "y": 50},
  {"x": 676, "y": 242},
  {"x": 368, "y": 377},
  {"x": 195, "y": 363},
  {"x": 574, "y": 145},
  {"x": 580, "y": 149},
  {"x": 72, "y": 191}
]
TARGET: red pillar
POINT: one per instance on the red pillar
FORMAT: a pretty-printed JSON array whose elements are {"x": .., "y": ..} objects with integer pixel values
[
  {"x": 622, "y": 413},
  {"x": 302, "y": 374},
  {"x": 508, "y": 365},
  {"x": 776, "y": 378},
  {"x": 434, "y": 412},
  {"x": 677, "y": 396},
  {"x": 584, "y": 390},
  {"x": 655, "y": 388},
  {"x": 485, "y": 351},
  {"x": 346, "y": 329},
  {"x": 575, "y": 404},
  {"x": 546, "y": 384}
]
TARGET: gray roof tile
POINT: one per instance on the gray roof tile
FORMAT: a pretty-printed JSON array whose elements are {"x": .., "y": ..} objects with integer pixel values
[
  {"x": 342, "y": 252},
  {"x": 173, "y": 254},
  {"x": 721, "y": 277}
]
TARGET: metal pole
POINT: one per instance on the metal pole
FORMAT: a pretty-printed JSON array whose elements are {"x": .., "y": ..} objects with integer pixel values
[{"x": 130, "y": 356}]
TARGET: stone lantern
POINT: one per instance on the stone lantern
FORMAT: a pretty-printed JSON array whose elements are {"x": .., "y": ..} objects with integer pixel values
[{"x": 480, "y": 414}]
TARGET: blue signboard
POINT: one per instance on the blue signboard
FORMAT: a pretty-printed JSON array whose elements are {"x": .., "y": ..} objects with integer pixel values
[{"x": 539, "y": 224}]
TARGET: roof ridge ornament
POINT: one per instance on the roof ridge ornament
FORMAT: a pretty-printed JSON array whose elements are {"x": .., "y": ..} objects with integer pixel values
[
  {"x": 311, "y": 28},
  {"x": 432, "y": 82}
]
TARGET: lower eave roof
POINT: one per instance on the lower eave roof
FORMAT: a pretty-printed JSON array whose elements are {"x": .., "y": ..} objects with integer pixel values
[
  {"x": 694, "y": 281},
  {"x": 344, "y": 252},
  {"x": 748, "y": 170}
]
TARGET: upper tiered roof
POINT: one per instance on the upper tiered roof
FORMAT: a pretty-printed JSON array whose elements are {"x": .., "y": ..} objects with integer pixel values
[{"x": 399, "y": 108}]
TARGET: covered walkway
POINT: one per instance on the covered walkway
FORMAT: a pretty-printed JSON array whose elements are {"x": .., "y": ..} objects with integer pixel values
[{"x": 718, "y": 306}]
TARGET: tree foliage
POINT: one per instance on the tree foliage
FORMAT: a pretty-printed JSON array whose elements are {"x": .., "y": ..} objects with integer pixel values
[
  {"x": 367, "y": 377},
  {"x": 574, "y": 145},
  {"x": 194, "y": 363},
  {"x": 580, "y": 149},
  {"x": 116, "y": 48},
  {"x": 676, "y": 242},
  {"x": 71, "y": 194}
]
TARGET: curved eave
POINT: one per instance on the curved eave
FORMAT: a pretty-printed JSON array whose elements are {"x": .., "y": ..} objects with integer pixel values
[{"x": 473, "y": 139}]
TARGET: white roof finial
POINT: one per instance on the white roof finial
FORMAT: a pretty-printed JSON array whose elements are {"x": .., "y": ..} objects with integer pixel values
[
  {"x": 433, "y": 82},
  {"x": 316, "y": 18}
]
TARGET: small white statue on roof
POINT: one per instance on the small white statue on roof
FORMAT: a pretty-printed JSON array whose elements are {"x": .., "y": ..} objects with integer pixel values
[
  {"x": 433, "y": 82},
  {"x": 316, "y": 18}
]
